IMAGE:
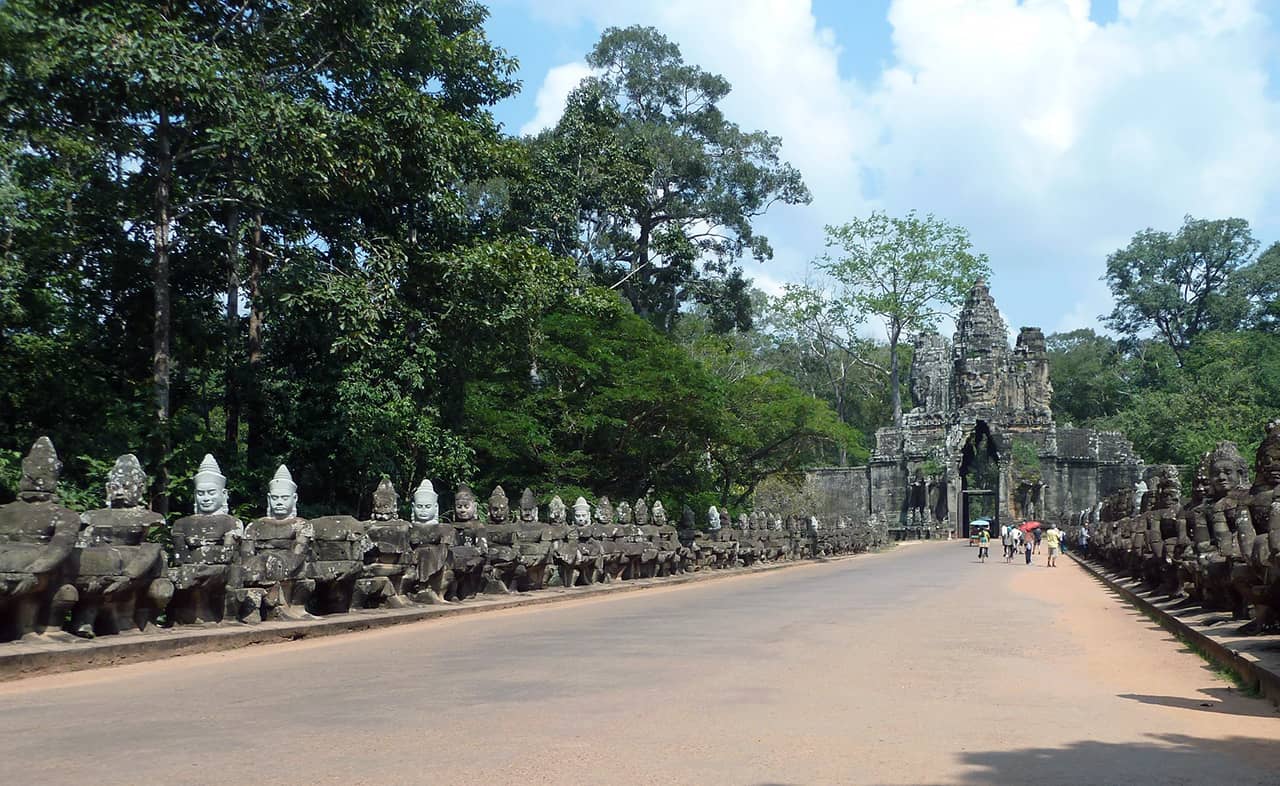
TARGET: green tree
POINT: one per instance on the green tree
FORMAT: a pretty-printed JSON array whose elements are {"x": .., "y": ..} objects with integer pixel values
[
  {"x": 1176, "y": 286},
  {"x": 651, "y": 189},
  {"x": 909, "y": 271},
  {"x": 1088, "y": 375}
]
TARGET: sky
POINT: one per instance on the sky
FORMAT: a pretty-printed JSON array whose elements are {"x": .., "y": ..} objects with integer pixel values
[{"x": 1053, "y": 130}]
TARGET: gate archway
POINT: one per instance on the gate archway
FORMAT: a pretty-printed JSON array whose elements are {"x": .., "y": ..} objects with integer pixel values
[{"x": 980, "y": 479}]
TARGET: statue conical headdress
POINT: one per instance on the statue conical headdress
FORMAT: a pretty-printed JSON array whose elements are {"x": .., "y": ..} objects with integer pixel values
[
  {"x": 425, "y": 492},
  {"x": 40, "y": 471},
  {"x": 556, "y": 511},
  {"x": 464, "y": 492},
  {"x": 527, "y": 500},
  {"x": 641, "y": 513},
  {"x": 498, "y": 496},
  {"x": 283, "y": 479},
  {"x": 210, "y": 471},
  {"x": 385, "y": 499},
  {"x": 604, "y": 511},
  {"x": 580, "y": 504},
  {"x": 624, "y": 512}
]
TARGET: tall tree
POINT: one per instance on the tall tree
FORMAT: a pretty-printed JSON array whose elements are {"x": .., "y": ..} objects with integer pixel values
[
  {"x": 909, "y": 271},
  {"x": 651, "y": 188},
  {"x": 1178, "y": 285}
]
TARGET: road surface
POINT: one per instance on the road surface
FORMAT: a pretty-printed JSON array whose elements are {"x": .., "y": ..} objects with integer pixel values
[{"x": 914, "y": 666}]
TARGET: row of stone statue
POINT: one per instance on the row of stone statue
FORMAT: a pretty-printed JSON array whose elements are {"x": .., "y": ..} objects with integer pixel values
[
  {"x": 1219, "y": 548},
  {"x": 65, "y": 573}
]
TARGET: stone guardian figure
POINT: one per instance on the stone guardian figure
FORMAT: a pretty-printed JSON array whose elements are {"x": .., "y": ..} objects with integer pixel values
[
  {"x": 37, "y": 536},
  {"x": 121, "y": 579},
  {"x": 205, "y": 545}
]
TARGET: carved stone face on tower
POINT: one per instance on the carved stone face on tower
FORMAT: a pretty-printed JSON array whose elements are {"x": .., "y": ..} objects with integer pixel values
[
  {"x": 1227, "y": 470},
  {"x": 126, "y": 483},
  {"x": 40, "y": 472},
  {"x": 282, "y": 495},
  {"x": 385, "y": 500},
  {"x": 426, "y": 504},
  {"x": 581, "y": 513},
  {"x": 464, "y": 504},
  {"x": 1267, "y": 462},
  {"x": 498, "y": 507},
  {"x": 210, "y": 488}
]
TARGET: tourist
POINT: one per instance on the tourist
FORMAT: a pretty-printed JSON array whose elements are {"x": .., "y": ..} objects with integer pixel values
[
  {"x": 1026, "y": 548},
  {"x": 1037, "y": 534},
  {"x": 984, "y": 542},
  {"x": 1052, "y": 541},
  {"x": 1006, "y": 539}
]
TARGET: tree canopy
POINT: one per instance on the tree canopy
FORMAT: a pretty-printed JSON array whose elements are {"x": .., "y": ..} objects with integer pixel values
[
  {"x": 909, "y": 271},
  {"x": 651, "y": 188}
]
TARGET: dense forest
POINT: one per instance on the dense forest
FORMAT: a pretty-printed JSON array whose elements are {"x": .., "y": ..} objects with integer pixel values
[{"x": 294, "y": 232}]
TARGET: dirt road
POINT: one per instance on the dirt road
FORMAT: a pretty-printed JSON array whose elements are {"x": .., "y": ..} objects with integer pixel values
[{"x": 914, "y": 666}]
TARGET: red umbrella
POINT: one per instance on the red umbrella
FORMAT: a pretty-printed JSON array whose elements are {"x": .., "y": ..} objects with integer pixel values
[{"x": 1027, "y": 526}]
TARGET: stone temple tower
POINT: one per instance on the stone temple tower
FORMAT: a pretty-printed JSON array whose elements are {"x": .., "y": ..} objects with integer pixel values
[{"x": 980, "y": 441}]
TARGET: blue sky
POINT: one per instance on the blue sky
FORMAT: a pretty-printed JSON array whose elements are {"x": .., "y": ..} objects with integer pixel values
[{"x": 1052, "y": 129}]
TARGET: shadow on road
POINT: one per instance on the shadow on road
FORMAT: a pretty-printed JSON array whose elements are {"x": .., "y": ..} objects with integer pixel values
[
  {"x": 1223, "y": 701},
  {"x": 1167, "y": 758}
]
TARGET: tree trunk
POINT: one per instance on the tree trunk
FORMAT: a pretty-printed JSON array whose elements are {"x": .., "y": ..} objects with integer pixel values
[
  {"x": 232, "y": 395},
  {"x": 163, "y": 328},
  {"x": 633, "y": 288},
  {"x": 252, "y": 392},
  {"x": 895, "y": 393}
]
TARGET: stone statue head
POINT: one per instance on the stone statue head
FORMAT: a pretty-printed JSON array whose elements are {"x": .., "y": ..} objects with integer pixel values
[
  {"x": 40, "y": 472},
  {"x": 624, "y": 513},
  {"x": 1267, "y": 461},
  {"x": 386, "y": 501},
  {"x": 282, "y": 495},
  {"x": 641, "y": 513},
  {"x": 713, "y": 517},
  {"x": 581, "y": 513},
  {"x": 1200, "y": 483},
  {"x": 464, "y": 504},
  {"x": 725, "y": 521},
  {"x": 426, "y": 504},
  {"x": 604, "y": 512},
  {"x": 1168, "y": 488},
  {"x": 659, "y": 514},
  {"x": 1227, "y": 470},
  {"x": 777, "y": 524},
  {"x": 744, "y": 521},
  {"x": 210, "y": 488},
  {"x": 499, "y": 508},
  {"x": 686, "y": 517},
  {"x": 126, "y": 483},
  {"x": 556, "y": 511},
  {"x": 814, "y": 524},
  {"x": 529, "y": 507}
]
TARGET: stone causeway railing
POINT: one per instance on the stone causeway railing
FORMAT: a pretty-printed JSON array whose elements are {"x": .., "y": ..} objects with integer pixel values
[{"x": 64, "y": 574}]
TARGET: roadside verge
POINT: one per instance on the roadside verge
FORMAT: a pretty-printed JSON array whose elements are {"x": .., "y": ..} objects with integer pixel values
[{"x": 1255, "y": 660}]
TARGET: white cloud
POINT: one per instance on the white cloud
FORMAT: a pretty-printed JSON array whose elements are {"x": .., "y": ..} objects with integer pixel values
[
  {"x": 552, "y": 95},
  {"x": 1051, "y": 137}
]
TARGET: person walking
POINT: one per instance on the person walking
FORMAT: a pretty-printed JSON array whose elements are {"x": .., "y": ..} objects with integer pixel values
[
  {"x": 1037, "y": 534},
  {"x": 1006, "y": 539},
  {"x": 1052, "y": 542},
  {"x": 1026, "y": 548},
  {"x": 984, "y": 543}
]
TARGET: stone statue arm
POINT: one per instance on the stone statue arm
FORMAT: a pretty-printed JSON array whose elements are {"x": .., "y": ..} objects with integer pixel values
[
  {"x": 235, "y": 535},
  {"x": 65, "y": 531},
  {"x": 303, "y": 534}
]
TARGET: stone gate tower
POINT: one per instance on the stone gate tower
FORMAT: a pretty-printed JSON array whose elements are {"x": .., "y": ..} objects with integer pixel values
[{"x": 980, "y": 441}]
